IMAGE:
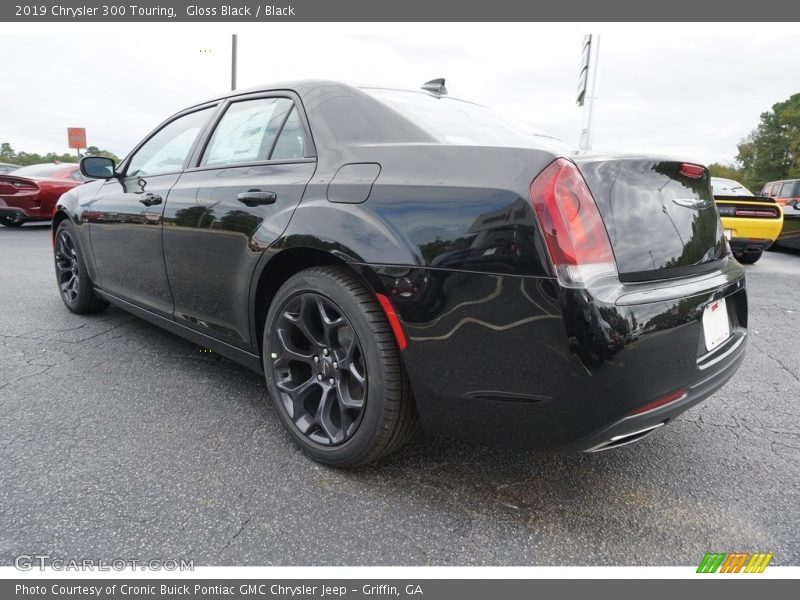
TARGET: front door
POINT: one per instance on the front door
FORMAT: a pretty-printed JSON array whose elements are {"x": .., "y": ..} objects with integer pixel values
[{"x": 125, "y": 217}]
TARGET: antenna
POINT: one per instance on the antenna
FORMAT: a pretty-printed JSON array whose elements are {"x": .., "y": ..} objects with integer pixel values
[{"x": 436, "y": 86}]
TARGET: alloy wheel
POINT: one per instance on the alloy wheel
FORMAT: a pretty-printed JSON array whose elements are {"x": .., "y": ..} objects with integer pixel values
[
  {"x": 319, "y": 368},
  {"x": 67, "y": 270}
]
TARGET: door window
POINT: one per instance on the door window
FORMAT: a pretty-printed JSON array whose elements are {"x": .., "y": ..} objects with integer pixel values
[
  {"x": 788, "y": 190},
  {"x": 247, "y": 131},
  {"x": 167, "y": 150},
  {"x": 291, "y": 143}
]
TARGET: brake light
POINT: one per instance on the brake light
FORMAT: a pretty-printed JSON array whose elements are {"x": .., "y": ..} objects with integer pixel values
[
  {"x": 756, "y": 212},
  {"x": 663, "y": 401},
  {"x": 574, "y": 232},
  {"x": 691, "y": 171}
]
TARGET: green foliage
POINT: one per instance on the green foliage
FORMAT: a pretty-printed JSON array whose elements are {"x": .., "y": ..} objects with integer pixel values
[
  {"x": 772, "y": 150},
  {"x": 95, "y": 151},
  {"x": 9, "y": 155},
  {"x": 726, "y": 171}
]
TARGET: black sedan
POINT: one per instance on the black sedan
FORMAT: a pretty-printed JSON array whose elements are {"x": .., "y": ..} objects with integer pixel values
[{"x": 392, "y": 258}]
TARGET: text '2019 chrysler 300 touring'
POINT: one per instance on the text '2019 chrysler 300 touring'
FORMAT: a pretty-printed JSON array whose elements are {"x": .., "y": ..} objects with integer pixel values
[{"x": 391, "y": 259}]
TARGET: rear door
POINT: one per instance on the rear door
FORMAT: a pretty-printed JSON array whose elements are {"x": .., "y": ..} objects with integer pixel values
[
  {"x": 125, "y": 216},
  {"x": 230, "y": 206}
]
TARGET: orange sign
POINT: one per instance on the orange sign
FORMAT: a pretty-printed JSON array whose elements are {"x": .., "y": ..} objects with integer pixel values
[{"x": 76, "y": 136}]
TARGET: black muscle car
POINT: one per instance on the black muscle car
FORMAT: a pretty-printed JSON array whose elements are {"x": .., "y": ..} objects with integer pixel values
[{"x": 393, "y": 258}]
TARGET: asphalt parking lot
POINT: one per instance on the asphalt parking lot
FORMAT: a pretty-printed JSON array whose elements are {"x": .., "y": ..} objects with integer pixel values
[{"x": 119, "y": 440}]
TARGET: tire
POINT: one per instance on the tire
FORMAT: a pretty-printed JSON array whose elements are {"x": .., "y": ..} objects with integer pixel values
[
  {"x": 333, "y": 370},
  {"x": 74, "y": 285},
  {"x": 9, "y": 222},
  {"x": 748, "y": 258}
]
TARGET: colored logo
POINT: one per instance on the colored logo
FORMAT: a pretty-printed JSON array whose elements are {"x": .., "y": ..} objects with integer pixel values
[{"x": 734, "y": 562}]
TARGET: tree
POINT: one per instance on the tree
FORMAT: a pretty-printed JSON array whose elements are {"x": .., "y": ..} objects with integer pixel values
[
  {"x": 21, "y": 158},
  {"x": 95, "y": 151},
  {"x": 726, "y": 171},
  {"x": 772, "y": 150}
]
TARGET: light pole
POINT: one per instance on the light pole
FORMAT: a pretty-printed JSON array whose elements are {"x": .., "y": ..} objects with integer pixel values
[
  {"x": 587, "y": 88},
  {"x": 233, "y": 62}
]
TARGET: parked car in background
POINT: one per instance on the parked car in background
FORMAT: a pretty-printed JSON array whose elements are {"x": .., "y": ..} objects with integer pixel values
[
  {"x": 30, "y": 193},
  {"x": 392, "y": 257},
  {"x": 790, "y": 235},
  {"x": 782, "y": 191},
  {"x": 752, "y": 223},
  {"x": 7, "y": 168}
]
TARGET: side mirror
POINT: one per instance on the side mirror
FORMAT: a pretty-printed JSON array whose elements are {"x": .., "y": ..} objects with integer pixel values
[{"x": 97, "y": 167}]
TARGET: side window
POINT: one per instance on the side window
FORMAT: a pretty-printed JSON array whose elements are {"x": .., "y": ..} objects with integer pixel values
[
  {"x": 768, "y": 190},
  {"x": 167, "y": 150},
  {"x": 787, "y": 191},
  {"x": 246, "y": 131},
  {"x": 291, "y": 143}
]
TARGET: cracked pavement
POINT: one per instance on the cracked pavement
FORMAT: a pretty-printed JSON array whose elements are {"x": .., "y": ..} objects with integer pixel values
[{"x": 118, "y": 439}]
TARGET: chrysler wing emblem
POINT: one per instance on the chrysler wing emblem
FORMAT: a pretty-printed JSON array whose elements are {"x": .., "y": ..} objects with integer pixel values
[{"x": 692, "y": 203}]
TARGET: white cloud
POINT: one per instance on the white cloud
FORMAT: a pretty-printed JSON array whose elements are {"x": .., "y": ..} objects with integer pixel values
[{"x": 684, "y": 89}]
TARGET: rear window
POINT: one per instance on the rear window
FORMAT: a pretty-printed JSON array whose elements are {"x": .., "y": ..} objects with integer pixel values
[
  {"x": 728, "y": 187},
  {"x": 458, "y": 122},
  {"x": 789, "y": 189}
]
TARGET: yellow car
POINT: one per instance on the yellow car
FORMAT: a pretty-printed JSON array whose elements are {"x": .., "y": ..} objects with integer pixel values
[{"x": 752, "y": 223}]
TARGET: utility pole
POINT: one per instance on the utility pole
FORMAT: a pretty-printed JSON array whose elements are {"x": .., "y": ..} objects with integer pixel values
[
  {"x": 587, "y": 87},
  {"x": 233, "y": 62}
]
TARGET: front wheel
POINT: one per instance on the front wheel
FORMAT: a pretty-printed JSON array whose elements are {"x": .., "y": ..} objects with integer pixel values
[
  {"x": 73, "y": 280},
  {"x": 334, "y": 371}
]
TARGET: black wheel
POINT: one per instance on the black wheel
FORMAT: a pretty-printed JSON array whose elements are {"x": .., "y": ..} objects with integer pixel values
[
  {"x": 334, "y": 371},
  {"x": 748, "y": 258},
  {"x": 73, "y": 280},
  {"x": 15, "y": 221}
]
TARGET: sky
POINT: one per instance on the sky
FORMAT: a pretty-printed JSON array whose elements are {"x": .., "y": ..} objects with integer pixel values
[{"x": 686, "y": 90}]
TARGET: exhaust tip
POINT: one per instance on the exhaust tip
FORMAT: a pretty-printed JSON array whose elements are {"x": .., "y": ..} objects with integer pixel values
[{"x": 625, "y": 438}]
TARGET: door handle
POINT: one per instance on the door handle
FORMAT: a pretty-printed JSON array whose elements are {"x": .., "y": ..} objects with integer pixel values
[
  {"x": 151, "y": 199},
  {"x": 257, "y": 197}
]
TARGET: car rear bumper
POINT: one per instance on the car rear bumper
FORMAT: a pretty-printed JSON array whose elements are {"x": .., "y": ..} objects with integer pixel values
[
  {"x": 27, "y": 207},
  {"x": 748, "y": 245},
  {"x": 13, "y": 212},
  {"x": 743, "y": 228},
  {"x": 632, "y": 428},
  {"x": 521, "y": 361}
]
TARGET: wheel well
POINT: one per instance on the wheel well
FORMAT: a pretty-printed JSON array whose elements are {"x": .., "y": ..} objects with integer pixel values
[
  {"x": 59, "y": 216},
  {"x": 279, "y": 270}
]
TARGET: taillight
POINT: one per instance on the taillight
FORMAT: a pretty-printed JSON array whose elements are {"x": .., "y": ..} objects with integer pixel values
[
  {"x": 691, "y": 171},
  {"x": 573, "y": 229},
  {"x": 770, "y": 213}
]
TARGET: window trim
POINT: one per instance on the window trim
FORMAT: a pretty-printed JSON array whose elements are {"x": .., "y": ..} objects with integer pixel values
[
  {"x": 200, "y": 149},
  {"x": 123, "y": 167}
]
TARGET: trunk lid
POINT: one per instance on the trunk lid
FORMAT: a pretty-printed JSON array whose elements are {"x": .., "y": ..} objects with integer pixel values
[{"x": 660, "y": 216}]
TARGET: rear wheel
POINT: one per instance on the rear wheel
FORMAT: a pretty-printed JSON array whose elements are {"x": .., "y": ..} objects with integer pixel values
[
  {"x": 74, "y": 285},
  {"x": 748, "y": 258},
  {"x": 15, "y": 221},
  {"x": 334, "y": 371}
]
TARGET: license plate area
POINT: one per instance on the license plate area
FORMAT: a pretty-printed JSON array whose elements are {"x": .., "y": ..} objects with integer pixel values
[{"x": 716, "y": 326}]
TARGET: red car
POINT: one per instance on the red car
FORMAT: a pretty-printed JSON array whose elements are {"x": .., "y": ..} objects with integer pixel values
[{"x": 30, "y": 193}]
